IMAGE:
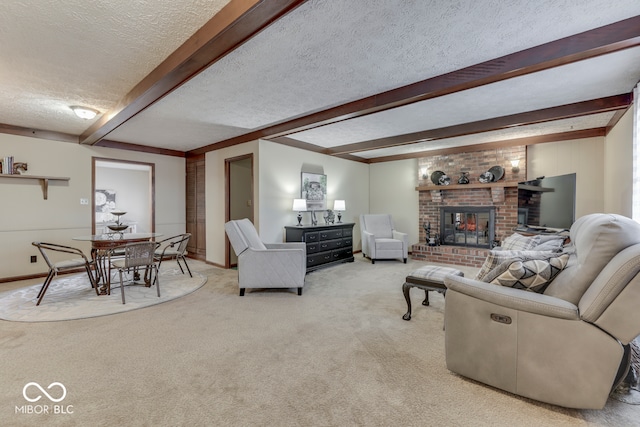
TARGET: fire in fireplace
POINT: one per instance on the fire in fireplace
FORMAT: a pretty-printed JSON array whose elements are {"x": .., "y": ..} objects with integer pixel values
[{"x": 467, "y": 226}]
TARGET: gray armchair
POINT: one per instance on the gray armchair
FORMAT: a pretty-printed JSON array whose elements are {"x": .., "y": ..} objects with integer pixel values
[
  {"x": 380, "y": 240},
  {"x": 567, "y": 346},
  {"x": 273, "y": 265}
]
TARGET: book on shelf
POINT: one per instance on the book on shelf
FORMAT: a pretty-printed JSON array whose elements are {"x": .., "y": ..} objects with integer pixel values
[{"x": 7, "y": 165}]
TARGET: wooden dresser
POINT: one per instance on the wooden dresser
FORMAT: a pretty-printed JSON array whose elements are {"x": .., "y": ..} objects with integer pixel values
[{"x": 327, "y": 244}]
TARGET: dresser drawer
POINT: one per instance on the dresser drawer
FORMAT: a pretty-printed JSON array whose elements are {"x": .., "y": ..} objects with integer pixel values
[
  {"x": 313, "y": 247},
  {"x": 341, "y": 253},
  {"x": 311, "y": 237},
  {"x": 326, "y": 245},
  {"x": 318, "y": 258},
  {"x": 330, "y": 234},
  {"x": 347, "y": 232}
]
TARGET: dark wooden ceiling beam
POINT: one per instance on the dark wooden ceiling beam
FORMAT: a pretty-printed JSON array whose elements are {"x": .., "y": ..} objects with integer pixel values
[
  {"x": 237, "y": 22},
  {"x": 530, "y": 140},
  {"x": 38, "y": 133},
  {"x": 589, "y": 44},
  {"x": 140, "y": 148},
  {"x": 594, "y": 106}
]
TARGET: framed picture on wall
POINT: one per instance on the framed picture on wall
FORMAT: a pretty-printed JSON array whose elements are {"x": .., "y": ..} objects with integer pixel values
[
  {"x": 105, "y": 203},
  {"x": 313, "y": 189}
]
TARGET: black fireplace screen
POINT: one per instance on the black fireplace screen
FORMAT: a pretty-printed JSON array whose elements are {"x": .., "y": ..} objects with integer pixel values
[{"x": 467, "y": 226}]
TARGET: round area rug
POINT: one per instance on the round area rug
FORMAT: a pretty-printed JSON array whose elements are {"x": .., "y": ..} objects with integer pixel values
[{"x": 72, "y": 297}]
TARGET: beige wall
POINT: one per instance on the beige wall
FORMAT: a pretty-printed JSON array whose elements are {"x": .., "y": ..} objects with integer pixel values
[
  {"x": 618, "y": 167},
  {"x": 215, "y": 196},
  {"x": 584, "y": 157},
  {"x": 26, "y": 217},
  {"x": 392, "y": 190},
  {"x": 280, "y": 169}
]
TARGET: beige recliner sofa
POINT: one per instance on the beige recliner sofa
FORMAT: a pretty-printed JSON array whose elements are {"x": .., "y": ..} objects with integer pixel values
[
  {"x": 568, "y": 346},
  {"x": 271, "y": 265}
]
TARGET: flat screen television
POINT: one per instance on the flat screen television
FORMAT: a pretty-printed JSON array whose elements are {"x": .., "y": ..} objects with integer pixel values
[{"x": 547, "y": 202}]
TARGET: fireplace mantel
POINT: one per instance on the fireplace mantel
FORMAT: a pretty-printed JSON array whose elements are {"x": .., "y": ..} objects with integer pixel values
[
  {"x": 496, "y": 188},
  {"x": 503, "y": 184}
]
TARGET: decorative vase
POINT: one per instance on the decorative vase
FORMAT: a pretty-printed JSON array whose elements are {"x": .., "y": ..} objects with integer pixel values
[{"x": 463, "y": 178}]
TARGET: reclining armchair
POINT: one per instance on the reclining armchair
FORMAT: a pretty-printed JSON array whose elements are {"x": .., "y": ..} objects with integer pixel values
[
  {"x": 567, "y": 346},
  {"x": 260, "y": 265},
  {"x": 380, "y": 240}
]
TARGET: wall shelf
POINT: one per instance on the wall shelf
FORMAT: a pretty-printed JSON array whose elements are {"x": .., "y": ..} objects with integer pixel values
[{"x": 44, "y": 180}]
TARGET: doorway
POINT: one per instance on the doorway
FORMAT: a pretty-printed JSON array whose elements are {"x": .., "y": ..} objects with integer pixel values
[
  {"x": 122, "y": 185},
  {"x": 239, "y": 196}
]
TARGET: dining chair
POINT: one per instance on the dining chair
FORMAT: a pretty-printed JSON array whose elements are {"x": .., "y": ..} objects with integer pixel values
[
  {"x": 136, "y": 255},
  {"x": 64, "y": 265},
  {"x": 174, "y": 248}
]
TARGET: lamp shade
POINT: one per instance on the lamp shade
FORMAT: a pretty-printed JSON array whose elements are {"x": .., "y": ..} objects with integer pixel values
[
  {"x": 299, "y": 205},
  {"x": 339, "y": 205}
]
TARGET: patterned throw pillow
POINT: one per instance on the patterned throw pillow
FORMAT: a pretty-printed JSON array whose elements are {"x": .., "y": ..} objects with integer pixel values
[
  {"x": 518, "y": 242},
  {"x": 531, "y": 275},
  {"x": 497, "y": 257}
]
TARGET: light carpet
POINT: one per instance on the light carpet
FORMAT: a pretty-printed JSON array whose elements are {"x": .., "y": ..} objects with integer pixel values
[
  {"x": 71, "y": 297},
  {"x": 339, "y": 355}
]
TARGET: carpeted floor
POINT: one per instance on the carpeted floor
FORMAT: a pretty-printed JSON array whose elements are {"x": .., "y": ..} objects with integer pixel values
[{"x": 339, "y": 355}]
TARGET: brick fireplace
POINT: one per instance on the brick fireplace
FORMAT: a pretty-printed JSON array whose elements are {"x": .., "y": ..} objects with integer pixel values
[{"x": 500, "y": 198}]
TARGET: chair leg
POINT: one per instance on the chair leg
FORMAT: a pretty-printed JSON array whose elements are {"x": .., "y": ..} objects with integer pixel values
[
  {"x": 122, "y": 286},
  {"x": 156, "y": 281},
  {"x": 45, "y": 286},
  {"x": 299, "y": 291},
  {"x": 187, "y": 265},
  {"x": 179, "y": 265},
  {"x": 241, "y": 292}
]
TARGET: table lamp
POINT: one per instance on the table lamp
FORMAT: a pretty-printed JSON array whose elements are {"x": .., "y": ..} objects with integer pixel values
[
  {"x": 339, "y": 206},
  {"x": 299, "y": 205}
]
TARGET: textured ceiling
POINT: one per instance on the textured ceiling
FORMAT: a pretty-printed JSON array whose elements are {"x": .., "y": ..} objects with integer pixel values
[
  {"x": 319, "y": 55},
  {"x": 57, "y": 53}
]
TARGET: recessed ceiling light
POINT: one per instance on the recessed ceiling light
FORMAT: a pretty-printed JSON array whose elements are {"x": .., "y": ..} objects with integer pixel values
[{"x": 84, "y": 112}]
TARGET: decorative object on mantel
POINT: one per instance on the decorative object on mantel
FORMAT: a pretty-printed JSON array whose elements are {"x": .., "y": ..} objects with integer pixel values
[
  {"x": 485, "y": 177},
  {"x": 118, "y": 227},
  {"x": 464, "y": 179},
  {"x": 330, "y": 218},
  {"x": 444, "y": 180},
  {"x": 498, "y": 173},
  {"x": 339, "y": 206},
  {"x": 299, "y": 205},
  {"x": 435, "y": 177}
]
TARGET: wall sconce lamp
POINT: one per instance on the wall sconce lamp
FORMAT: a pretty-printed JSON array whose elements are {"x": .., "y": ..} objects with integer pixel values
[
  {"x": 339, "y": 206},
  {"x": 423, "y": 173},
  {"x": 299, "y": 205},
  {"x": 515, "y": 166},
  {"x": 84, "y": 112}
]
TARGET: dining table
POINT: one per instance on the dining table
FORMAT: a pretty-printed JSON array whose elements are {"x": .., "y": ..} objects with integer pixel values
[{"x": 103, "y": 246}]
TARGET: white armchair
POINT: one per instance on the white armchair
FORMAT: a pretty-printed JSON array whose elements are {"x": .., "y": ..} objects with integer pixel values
[
  {"x": 271, "y": 265},
  {"x": 380, "y": 240}
]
